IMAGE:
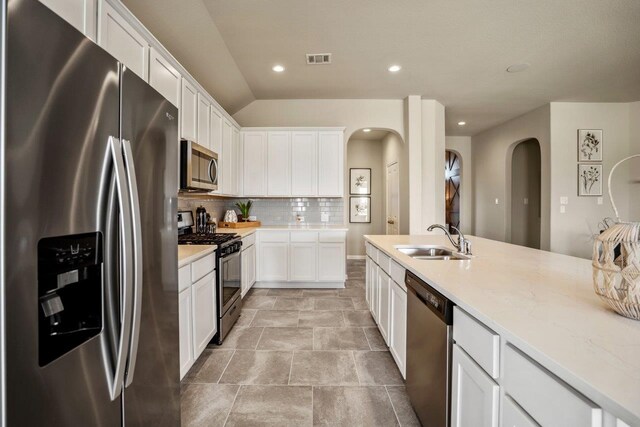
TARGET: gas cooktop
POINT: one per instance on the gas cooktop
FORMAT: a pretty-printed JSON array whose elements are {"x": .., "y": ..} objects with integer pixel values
[{"x": 205, "y": 238}]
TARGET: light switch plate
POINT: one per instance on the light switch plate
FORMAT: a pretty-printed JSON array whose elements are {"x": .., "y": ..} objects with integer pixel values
[
  {"x": 563, "y": 209},
  {"x": 526, "y": 201},
  {"x": 497, "y": 201},
  {"x": 600, "y": 200},
  {"x": 324, "y": 217},
  {"x": 564, "y": 200}
]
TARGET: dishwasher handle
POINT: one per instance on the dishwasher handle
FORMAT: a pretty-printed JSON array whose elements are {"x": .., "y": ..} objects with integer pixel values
[{"x": 432, "y": 299}]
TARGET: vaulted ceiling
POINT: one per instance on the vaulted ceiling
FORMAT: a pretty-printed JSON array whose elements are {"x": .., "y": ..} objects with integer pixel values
[{"x": 453, "y": 51}]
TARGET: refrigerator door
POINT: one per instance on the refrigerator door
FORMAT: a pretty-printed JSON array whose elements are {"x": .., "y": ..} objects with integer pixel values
[
  {"x": 62, "y": 107},
  {"x": 149, "y": 129}
]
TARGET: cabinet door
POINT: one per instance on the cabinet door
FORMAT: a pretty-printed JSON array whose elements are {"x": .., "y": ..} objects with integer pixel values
[
  {"x": 244, "y": 273},
  {"x": 398, "y": 328},
  {"x": 251, "y": 267},
  {"x": 303, "y": 259},
  {"x": 79, "y": 13},
  {"x": 203, "y": 125},
  {"x": 255, "y": 163},
  {"x": 227, "y": 157},
  {"x": 163, "y": 77},
  {"x": 216, "y": 131},
  {"x": 204, "y": 312},
  {"x": 235, "y": 160},
  {"x": 188, "y": 111},
  {"x": 304, "y": 164},
  {"x": 474, "y": 395},
  {"x": 330, "y": 164},
  {"x": 185, "y": 328},
  {"x": 384, "y": 316},
  {"x": 331, "y": 262},
  {"x": 274, "y": 262},
  {"x": 375, "y": 307},
  {"x": 122, "y": 41},
  {"x": 278, "y": 164},
  {"x": 367, "y": 281}
]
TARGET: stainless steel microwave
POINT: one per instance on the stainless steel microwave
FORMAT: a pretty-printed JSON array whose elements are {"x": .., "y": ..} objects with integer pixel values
[{"x": 198, "y": 167}]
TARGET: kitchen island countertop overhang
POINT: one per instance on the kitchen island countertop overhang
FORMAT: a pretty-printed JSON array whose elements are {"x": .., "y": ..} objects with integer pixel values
[{"x": 544, "y": 304}]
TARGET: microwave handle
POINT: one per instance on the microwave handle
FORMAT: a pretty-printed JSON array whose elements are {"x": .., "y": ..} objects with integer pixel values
[{"x": 211, "y": 177}]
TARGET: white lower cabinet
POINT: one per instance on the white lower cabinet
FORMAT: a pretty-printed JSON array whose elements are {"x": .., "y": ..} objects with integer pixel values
[
  {"x": 274, "y": 261},
  {"x": 303, "y": 261},
  {"x": 204, "y": 312},
  {"x": 367, "y": 281},
  {"x": 331, "y": 262},
  {"x": 375, "y": 293},
  {"x": 384, "y": 312},
  {"x": 398, "y": 327},
  {"x": 186, "y": 331},
  {"x": 248, "y": 263},
  {"x": 474, "y": 395}
]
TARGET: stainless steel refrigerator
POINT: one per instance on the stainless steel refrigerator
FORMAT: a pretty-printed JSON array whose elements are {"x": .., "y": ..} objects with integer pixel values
[{"x": 89, "y": 250}]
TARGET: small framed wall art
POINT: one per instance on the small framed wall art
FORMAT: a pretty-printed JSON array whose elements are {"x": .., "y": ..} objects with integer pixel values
[
  {"x": 589, "y": 180},
  {"x": 360, "y": 181},
  {"x": 589, "y": 145},
  {"x": 360, "y": 209}
]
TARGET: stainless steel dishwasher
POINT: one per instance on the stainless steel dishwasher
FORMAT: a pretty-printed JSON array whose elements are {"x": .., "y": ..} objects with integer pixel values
[{"x": 429, "y": 341}]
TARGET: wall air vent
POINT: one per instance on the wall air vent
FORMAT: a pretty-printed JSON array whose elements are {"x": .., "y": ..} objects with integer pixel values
[{"x": 318, "y": 58}]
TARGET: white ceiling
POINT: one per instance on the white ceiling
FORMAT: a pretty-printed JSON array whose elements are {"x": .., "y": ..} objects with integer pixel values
[{"x": 452, "y": 51}]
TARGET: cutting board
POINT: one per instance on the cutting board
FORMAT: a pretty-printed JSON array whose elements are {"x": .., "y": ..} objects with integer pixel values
[{"x": 239, "y": 224}]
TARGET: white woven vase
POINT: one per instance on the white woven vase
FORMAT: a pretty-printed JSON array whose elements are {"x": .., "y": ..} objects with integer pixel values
[{"x": 617, "y": 280}]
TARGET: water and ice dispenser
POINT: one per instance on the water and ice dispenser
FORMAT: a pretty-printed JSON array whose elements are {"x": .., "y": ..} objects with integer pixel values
[{"x": 69, "y": 293}]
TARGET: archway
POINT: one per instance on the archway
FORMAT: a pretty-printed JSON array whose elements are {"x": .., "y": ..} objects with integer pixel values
[{"x": 525, "y": 194}]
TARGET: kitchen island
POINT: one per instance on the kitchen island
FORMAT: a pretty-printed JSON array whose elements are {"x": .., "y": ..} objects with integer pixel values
[{"x": 543, "y": 305}]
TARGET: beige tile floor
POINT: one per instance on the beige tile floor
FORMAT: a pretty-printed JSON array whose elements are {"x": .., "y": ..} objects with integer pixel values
[{"x": 299, "y": 358}]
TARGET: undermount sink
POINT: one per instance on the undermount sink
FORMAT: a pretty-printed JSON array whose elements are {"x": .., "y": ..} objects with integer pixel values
[{"x": 430, "y": 252}]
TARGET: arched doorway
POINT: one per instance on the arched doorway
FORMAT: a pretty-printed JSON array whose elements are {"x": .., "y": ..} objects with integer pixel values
[
  {"x": 452, "y": 190},
  {"x": 526, "y": 194}
]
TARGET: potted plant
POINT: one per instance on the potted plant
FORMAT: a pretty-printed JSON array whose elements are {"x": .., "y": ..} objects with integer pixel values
[{"x": 245, "y": 208}]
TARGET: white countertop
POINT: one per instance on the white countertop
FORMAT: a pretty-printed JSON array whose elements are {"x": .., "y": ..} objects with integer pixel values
[
  {"x": 189, "y": 253},
  {"x": 543, "y": 303}
]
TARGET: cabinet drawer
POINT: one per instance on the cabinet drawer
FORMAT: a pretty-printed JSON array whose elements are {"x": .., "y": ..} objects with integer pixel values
[
  {"x": 332, "y": 236},
  {"x": 274, "y": 236},
  {"x": 374, "y": 254},
  {"x": 202, "y": 267},
  {"x": 304, "y": 236},
  {"x": 248, "y": 241},
  {"x": 548, "y": 400},
  {"x": 481, "y": 343},
  {"x": 397, "y": 273},
  {"x": 384, "y": 262},
  {"x": 184, "y": 277},
  {"x": 514, "y": 416}
]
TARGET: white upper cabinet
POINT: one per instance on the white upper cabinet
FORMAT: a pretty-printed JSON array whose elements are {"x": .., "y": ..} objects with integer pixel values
[
  {"x": 304, "y": 163},
  {"x": 203, "y": 121},
  {"x": 227, "y": 165},
  {"x": 164, "y": 77},
  {"x": 122, "y": 41},
  {"x": 188, "y": 111},
  {"x": 216, "y": 131},
  {"x": 255, "y": 165},
  {"x": 79, "y": 13},
  {"x": 235, "y": 161},
  {"x": 278, "y": 164},
  {"x": 330, "y": 164}
]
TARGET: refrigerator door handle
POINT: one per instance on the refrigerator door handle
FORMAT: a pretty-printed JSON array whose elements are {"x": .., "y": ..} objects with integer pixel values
[
  {"x": 126, "y": 270},
  {"x": 136, "y": 222}
]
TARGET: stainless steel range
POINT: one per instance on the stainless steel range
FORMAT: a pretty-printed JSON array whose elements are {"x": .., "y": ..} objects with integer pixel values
[{"x": 228, "y": 270}]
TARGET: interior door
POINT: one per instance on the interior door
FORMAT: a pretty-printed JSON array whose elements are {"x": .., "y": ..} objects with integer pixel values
[
  {"x": 62, "y": 107},
  {"x": 393, "y": 199},
  {"x": 149, "y": 124}
]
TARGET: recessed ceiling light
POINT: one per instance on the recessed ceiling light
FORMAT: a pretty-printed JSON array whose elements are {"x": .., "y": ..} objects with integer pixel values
[
  {"x": 366, "y": 130},
  {"x": 462, "y": 123},
  {"x": 395, "y": 68},
  {"x": 516, "y": 68},
  {"x": 278, "y": 68}
]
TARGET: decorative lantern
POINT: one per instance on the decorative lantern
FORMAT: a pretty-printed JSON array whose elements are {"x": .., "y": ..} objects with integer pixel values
[{"x": 617, "y": 280}]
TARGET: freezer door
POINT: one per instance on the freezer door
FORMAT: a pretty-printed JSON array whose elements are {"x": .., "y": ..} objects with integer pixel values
[
  {"x": 150, "y": 131},
  {"x": 62, "y": 107}
]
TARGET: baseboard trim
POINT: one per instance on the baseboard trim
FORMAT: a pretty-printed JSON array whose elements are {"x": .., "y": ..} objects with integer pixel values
[
  {"x": 300, "y": 285},
  {"x": 356, "y": 257}
]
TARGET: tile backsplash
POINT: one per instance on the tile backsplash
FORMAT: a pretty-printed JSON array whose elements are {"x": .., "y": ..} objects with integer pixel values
[{"x": 274, "y": 211}]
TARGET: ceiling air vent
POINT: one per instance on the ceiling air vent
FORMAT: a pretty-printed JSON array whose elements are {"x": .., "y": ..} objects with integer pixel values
[{"x": 318, "y": 58}]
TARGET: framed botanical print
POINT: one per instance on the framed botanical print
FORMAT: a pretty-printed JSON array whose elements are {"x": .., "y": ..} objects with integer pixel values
[
  {"x": 589, "y": 180},
  {"x": 360, "y": 181},
  {"x": 589, "y": 145},
  {"x": 360, "y": 209}
]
